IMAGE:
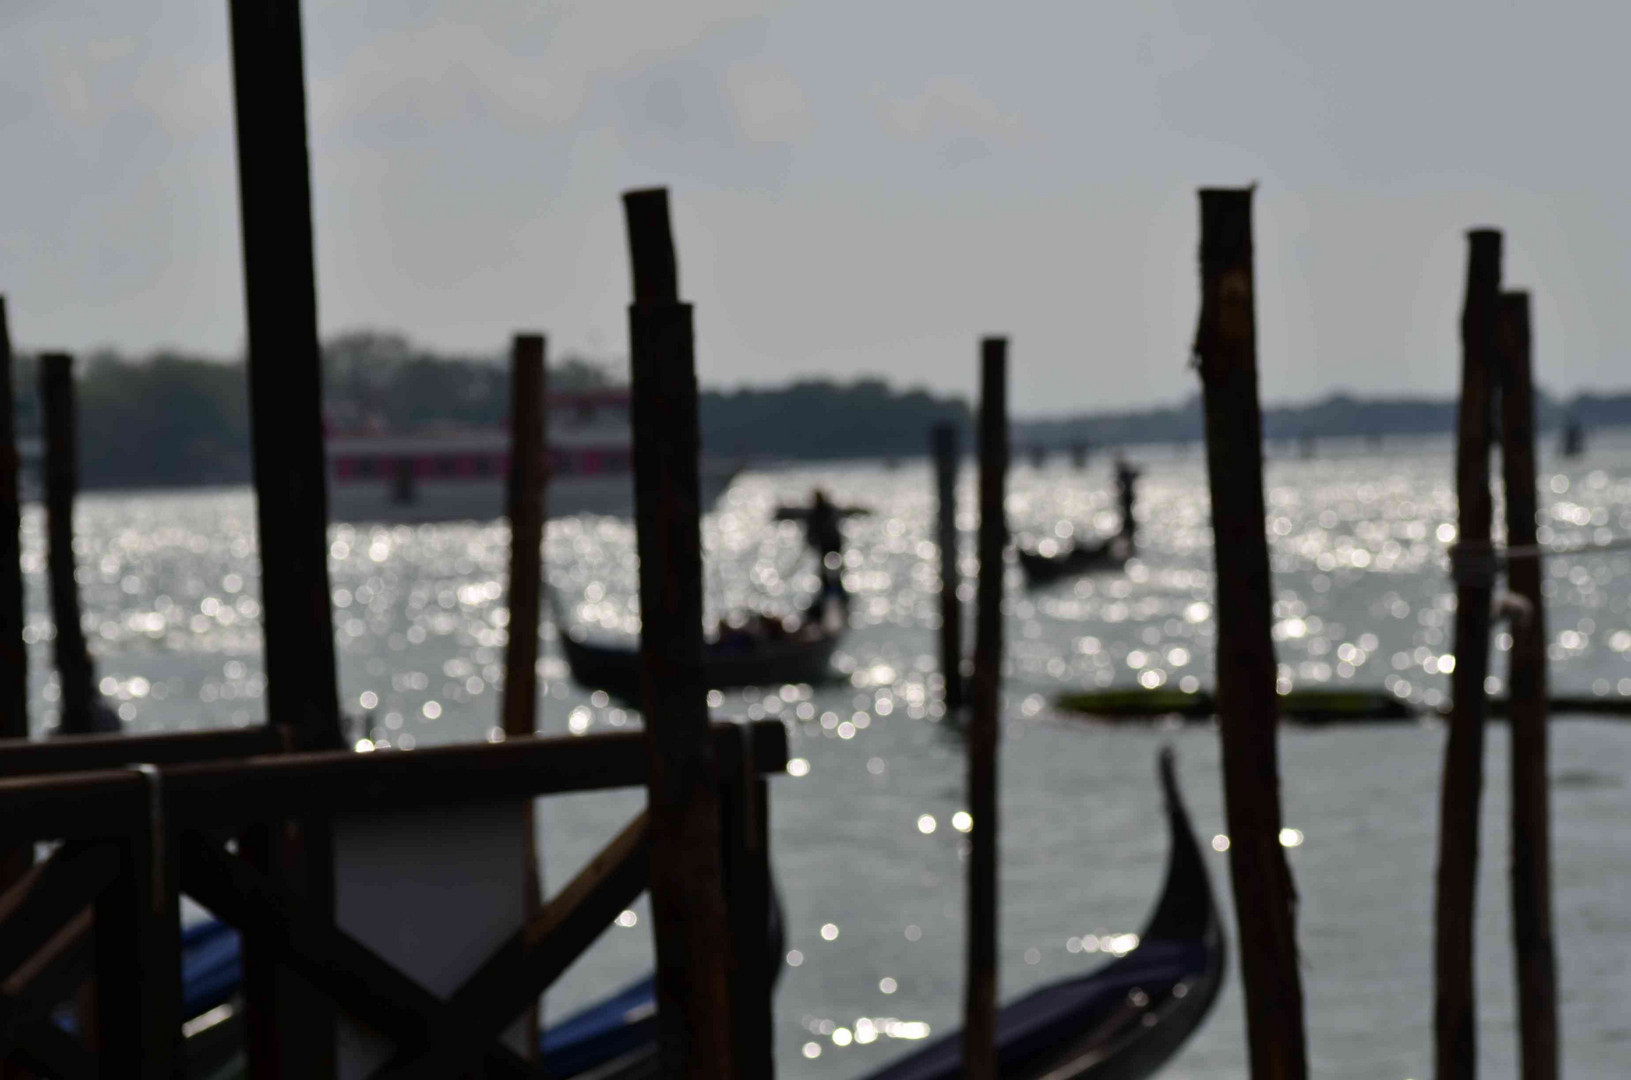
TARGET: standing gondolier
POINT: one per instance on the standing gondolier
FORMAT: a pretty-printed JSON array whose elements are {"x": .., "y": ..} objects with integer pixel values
[
  {"x": 1126, "y": 496},
  {"x": 824, "y": 535}
]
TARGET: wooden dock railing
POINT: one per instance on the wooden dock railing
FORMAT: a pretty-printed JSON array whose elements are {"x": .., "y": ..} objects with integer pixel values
[{"x": 134, "y": 839}]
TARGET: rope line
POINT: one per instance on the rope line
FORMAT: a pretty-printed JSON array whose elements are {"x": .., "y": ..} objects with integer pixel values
[{"x": 1477, "y": 563}]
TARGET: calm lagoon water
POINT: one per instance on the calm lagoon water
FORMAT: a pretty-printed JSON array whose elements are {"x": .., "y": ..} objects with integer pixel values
[{"x": 867, "y": 855}]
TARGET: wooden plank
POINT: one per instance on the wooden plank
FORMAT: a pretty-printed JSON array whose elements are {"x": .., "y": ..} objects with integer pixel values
[
  {"x": 1455, "y": 1044},
  {"x": 138, "y": 963},
  {"x": 29, "y": 1038},
  {"x": 80, "y": 753},
  {"x": 535, "y": 957},
  {"x": 226, "y": 795},
  {"x": 343, "y": 969},
  {"x": 980, "y": 985},
  {"x": 61, "y": 468},
  {"x": 232, "y": 793},
  {"x": 947, "y": 456},
  {"x": 687, "y": 899},
  {"x": 49, "y": 896},
  {"x": 1530, "y": 806},
  {"x": 1265, "y": 898},
  {"x": 57, "y": 967},
  {"x": 103, "y": 803}
]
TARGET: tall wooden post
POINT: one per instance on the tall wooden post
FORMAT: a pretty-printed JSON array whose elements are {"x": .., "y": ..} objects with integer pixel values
[
  {"x": 980, "y": 989},
  {"x": 687, "y": 897},
  {"x": 290, "y": 1029},
  {"x": 526, "y": 511},
  {"x": 285, "y": 370},
  {"x": 13, "y": 653},
  {"x": 947, "y": 456},
  {"x": 528, "y": 474},
  {"x": 1248, "y": 709},
  {"x": 1454, "y": 1015},
  {"x": 1527, "y": 687},
  {"x": 14, "y": 862},
  {"x": 61, "y": 470}
]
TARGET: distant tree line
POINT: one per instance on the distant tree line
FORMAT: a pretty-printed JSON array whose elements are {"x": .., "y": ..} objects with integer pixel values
[{"x": 171, "y": 419}]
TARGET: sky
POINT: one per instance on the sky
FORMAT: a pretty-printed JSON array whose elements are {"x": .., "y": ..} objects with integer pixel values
[{"x": 858, "y": 187}]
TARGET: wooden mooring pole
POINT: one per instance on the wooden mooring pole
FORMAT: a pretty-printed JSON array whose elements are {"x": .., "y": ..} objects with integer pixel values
[
  {"x": 528, "y": 475},
  {"x": 980, "y": 987},
  {"x": 285, "y": 370},
  {"x": 14, "y": 862},
  {"x": 687, "y": 896},
  {"x": 61, "y": 469},
  {"x": 1454, "y": 1014},
  {"x": 526, "y": 512},
  {"x": 1527, "y": 688},
  {"x": 1248, "y": 713},
  {"x": 947, "y": 456},
  {"x": 290, "y": 1029},
  {"x": 13, "y": 617}
]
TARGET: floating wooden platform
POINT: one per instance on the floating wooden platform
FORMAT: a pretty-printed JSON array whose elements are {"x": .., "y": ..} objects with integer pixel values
[{"x": 1313, "y": 707}]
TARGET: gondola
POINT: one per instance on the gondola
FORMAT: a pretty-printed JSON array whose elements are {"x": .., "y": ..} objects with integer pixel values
[
  {"x": 1125, "y": 1020},
  {"x": 802, "y": 656},
  {"x": 1045, "y": 569}
]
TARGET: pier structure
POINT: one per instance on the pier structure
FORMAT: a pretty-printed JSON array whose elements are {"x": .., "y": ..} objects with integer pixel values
[{"x": 245, "y": 821}]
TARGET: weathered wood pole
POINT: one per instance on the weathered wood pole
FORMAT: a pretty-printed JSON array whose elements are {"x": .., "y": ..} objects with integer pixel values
[
  {"x": 289, "y": 1028},
  {"x": 1527, "y": 687},
  {"x": 528, "y": 474},
  {"x": 14, "y": 862},
  {"x": 980, "y": 987},
  {"x": 1248, "y": 709},
  {"x": 687, "y": 895},
  {"x": 137, "y": 979},
  {"x": 61, "y": 469},
  {"x": 1454, "y": 1015},
  {"x": 285, "y": 370},
  {"x": 947, "y": 456},
  {"x": 526, "y": 512},
  {"x": 13, "y": 652}
]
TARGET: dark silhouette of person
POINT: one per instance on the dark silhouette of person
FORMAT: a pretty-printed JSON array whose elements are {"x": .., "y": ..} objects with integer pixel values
[
  {"x": 824, "y": 535},
  {"x": 1126, "y": 496},
  {"x": 822, "y": 532}
]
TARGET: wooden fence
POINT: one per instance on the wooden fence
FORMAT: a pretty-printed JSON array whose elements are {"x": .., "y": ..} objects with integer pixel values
[{"x": 140, "y": 821}]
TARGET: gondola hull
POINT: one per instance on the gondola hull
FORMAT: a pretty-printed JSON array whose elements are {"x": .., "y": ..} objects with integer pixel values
[
  {"x": 1125, "y": 1020},
  {"x": 616, "y": 670},
  {"x": 1043, "y": 569}
]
